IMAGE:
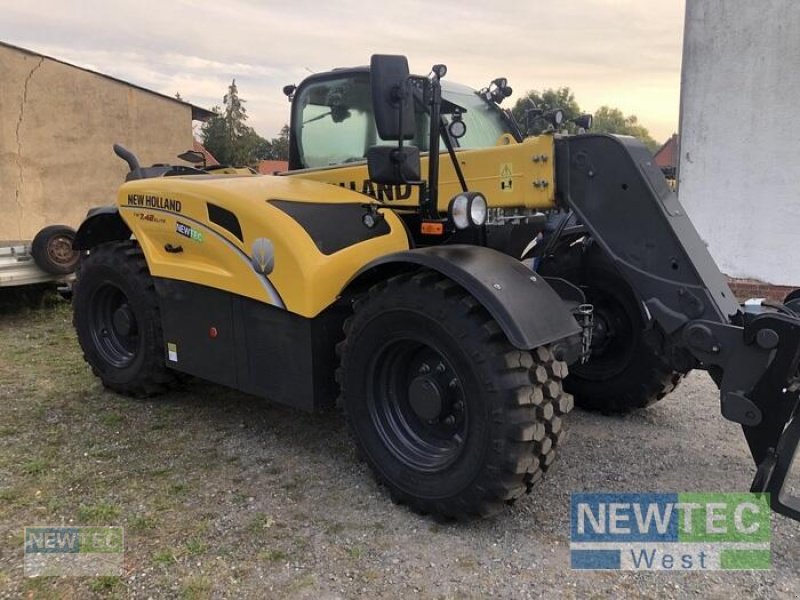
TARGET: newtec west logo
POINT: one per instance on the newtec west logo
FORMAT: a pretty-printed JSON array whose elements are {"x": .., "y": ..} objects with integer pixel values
[
  {"x": 75, "y": 551},
  {"x": 670, "y": 532}
]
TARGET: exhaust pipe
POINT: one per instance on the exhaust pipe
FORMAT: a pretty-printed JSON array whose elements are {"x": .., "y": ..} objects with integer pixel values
[{"x": 127, "y": 156}]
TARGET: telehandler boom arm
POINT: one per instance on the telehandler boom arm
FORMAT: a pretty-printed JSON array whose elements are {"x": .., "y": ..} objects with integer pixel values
[{"x": 621, "y": 197}]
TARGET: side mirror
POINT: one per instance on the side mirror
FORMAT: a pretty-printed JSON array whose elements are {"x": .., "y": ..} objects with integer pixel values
[
  {"x": 392, "y": 104},
  {"x": 390, "y": 165},
  {"x": 193, "y": 156}
]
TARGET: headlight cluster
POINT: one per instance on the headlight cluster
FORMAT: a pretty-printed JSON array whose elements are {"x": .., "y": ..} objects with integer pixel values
[{"x": 468, "y": 210}]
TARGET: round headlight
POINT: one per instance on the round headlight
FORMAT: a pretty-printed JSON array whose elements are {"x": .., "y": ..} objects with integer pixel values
[
  {"x": 468, "y": 209},
  {"x": 477, "y": 210},
  {"x": 459, "y": 211}
]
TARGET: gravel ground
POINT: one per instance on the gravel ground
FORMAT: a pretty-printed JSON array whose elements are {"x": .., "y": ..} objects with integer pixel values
[{"x": 224, "y": 495}]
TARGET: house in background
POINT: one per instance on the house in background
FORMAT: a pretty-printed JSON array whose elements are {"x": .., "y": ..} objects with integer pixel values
[
  {"x": 666, "y": 157},
  {"x": 57, "y": 126},
  {"x": 210, "y": 160},
  {"x": 270, "y": 167}
]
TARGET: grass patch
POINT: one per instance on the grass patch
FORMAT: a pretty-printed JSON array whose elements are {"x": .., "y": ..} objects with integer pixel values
[
  {"x": 164, "y": 558},
  {"x": 178, "y": 488},
  {"x": 356, "y": 552},
  {"x": 196, "y": 546},
  {"x": 111, "y": 419},
  {"x": 106, "y": 584},
  {"x": 273, "y": 555},
  {"x": 98, "y": 514},
  {"x": 142, "y": 523},
  {"x": 259, "y": 523},
  {"x": 196, "y": 588},
  {"x": 35, "y": 467}
]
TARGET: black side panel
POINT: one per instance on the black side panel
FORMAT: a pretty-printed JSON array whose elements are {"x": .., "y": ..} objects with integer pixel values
[
  {"x": 527, "y": 309},
  {"x": 620, "y": 195},
  {"x": 102, "y": 224},
  {"x": 188, "y": 312},
  {"x": 285, "y": 357},
  {"x": 253, "y": 347},
  {"x": 333, "y": 227},
  {"x": 225, "y": 219}
]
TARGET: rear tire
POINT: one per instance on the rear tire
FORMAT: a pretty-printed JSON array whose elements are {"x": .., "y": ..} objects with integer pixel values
[
  {"x": 116, "y": 317},
  {"x": 450, "y": 417}
]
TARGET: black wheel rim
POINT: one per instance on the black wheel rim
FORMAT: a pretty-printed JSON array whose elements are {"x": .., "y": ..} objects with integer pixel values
[
  {"x": 114, "y": 328},
  {"x": 613, "y": 338},
  {"x": 417, "y": 404}
]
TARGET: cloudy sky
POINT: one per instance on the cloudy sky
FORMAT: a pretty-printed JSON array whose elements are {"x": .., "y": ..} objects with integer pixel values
[{"x": 624, "y": 53}]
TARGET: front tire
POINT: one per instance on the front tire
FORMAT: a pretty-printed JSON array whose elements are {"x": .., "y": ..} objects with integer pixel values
[
  {"x": 624, "y": 373},
  {"x": 116, "y": 317},
  {"x": 451, "y": 418}
]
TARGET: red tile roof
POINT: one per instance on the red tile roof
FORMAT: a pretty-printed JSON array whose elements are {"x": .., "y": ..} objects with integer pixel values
[
  {"x": 268, "y": 167},
  {"x": 210, "y": 160},
  {"x": 667, "y": 155}
]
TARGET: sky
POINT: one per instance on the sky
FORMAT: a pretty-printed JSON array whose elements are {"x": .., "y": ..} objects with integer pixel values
[{"x": 622, "y": 53}]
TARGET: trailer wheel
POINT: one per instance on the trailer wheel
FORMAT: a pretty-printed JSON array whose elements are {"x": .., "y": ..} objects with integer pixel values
[
  {"x": 451, "y": 418},
  {"x": 623, "y": 372},
  {"x": 116, "y": 317},
  {"x": 52, "y": 250}
]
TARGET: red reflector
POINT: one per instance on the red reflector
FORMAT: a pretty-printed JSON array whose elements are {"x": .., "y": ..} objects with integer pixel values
[
  {"x": 432, "y": 228},
  {"x": 212, "y": 333}
]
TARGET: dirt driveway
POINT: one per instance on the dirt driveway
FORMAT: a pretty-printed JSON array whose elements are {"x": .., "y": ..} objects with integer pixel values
[{"x": 223, "y": 495}]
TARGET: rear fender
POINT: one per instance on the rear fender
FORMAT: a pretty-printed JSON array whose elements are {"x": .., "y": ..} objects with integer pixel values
[
  {"x": 102, "y": 224},
  {"x": 526, "y": 308}
]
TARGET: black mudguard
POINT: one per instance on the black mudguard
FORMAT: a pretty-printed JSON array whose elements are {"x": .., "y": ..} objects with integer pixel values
[
  {"x": 102, "y": 224},
  {"x": 526, "y": 308}
]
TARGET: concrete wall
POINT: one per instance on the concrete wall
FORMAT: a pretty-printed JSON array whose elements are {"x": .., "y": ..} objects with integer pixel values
[
  {"x": 57, "y": 125},
  {"x": 740, "y": 139}
]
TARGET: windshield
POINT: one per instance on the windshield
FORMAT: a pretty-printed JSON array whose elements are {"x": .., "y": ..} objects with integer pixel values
[
  {"x": 485, "y": 122},
  {"x": 333, "y": 121}
]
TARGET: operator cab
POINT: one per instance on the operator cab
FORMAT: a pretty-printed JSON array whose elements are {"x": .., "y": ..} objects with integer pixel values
[{"x": 333, "y": 121}]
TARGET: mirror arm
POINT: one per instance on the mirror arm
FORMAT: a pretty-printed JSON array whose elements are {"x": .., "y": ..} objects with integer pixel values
[
  {"x": 451, "y": 151},
  {"x": 430, "y": 201}
]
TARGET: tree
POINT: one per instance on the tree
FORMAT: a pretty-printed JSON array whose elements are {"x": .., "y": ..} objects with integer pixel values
[
  {"x": 606, "y": 119},
  {"x": 227, "y": 136},
  {"x": 545, "y": 100},
  {"x": 612, "y": 120},
  {"x": 276, "y": 148}
]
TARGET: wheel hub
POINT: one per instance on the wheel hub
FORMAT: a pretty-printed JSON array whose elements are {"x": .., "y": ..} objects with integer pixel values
[
  {"x": 60, "y": 250},
  {"x": 123, "y": 320},
  {"x": 425, "y": 398},
  {"x": 418, "y": 405}
]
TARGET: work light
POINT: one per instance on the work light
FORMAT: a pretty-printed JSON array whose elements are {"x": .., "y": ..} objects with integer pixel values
[{"x": 468, "y": 209}]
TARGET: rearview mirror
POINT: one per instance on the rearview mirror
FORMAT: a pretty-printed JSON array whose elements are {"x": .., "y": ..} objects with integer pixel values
[
  {"x": 392, "y": 103},
  {"x": 193, "y": 156},
  {"x": 389, "y": 165}
]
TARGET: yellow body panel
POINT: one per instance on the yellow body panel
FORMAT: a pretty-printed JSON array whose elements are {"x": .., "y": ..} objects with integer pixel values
[
  {"x": 304, "y": 279},
  {"x": 510, "y": 175}
]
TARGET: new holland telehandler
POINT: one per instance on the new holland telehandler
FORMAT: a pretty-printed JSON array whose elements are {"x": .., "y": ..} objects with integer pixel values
[{"x": 447, "y": 351}]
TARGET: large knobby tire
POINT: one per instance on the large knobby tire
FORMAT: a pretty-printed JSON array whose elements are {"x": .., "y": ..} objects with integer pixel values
[
  {"x": 116, "y": 317},
  {"x": 52, "y": 250},
  {"x": 451, "y": 418},
  {"x": 624, "y": 373}
]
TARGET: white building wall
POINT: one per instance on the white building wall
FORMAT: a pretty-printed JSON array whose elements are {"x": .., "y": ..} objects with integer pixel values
[{"x": 739, "y": 167}]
